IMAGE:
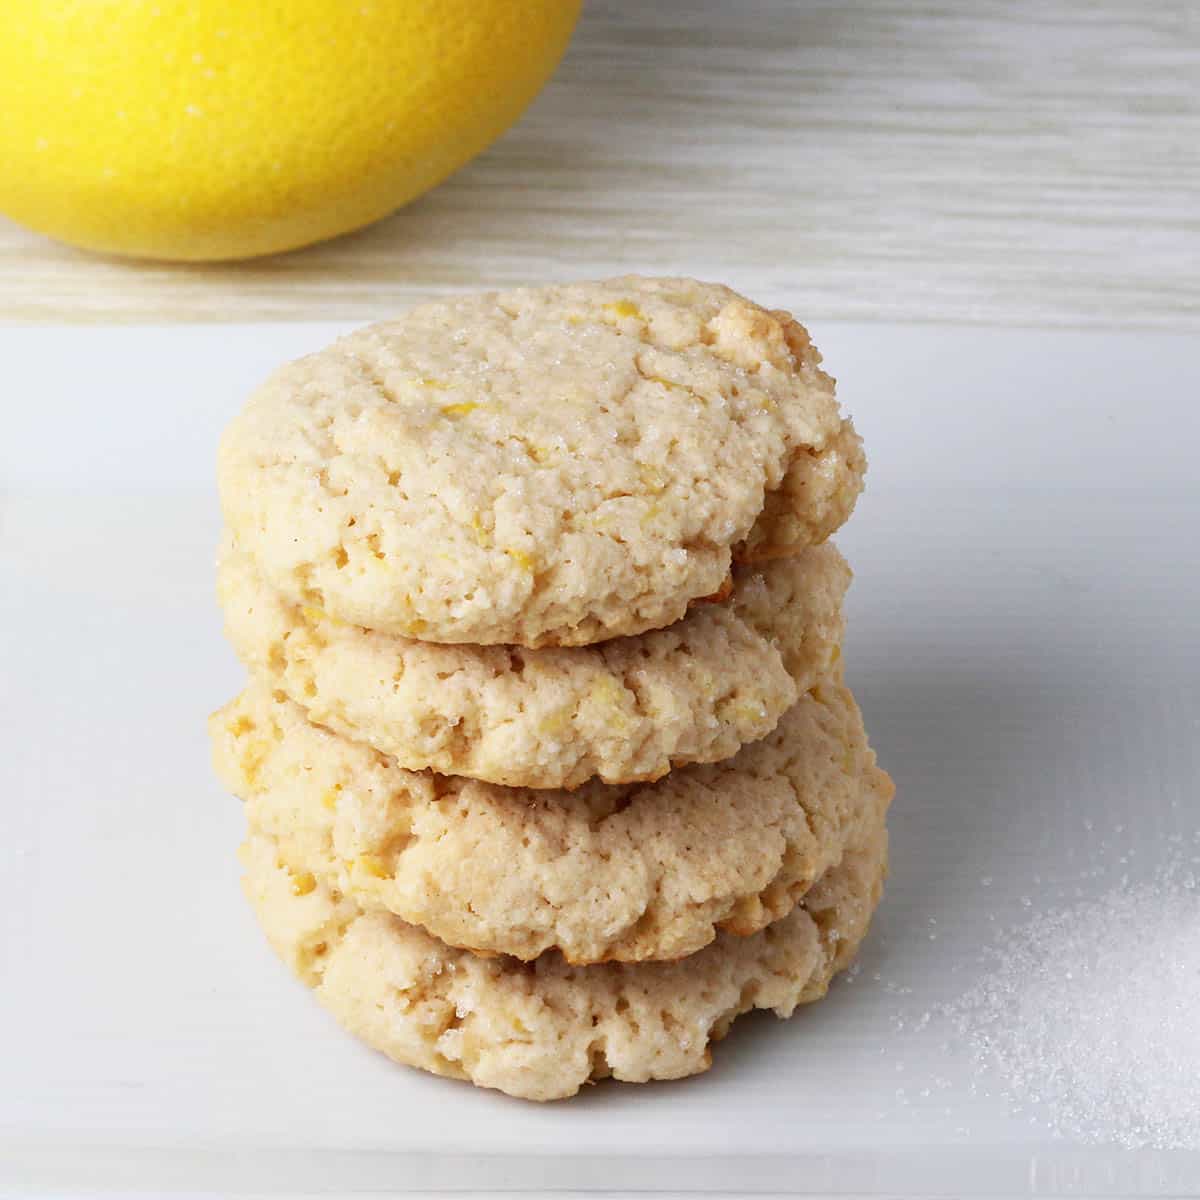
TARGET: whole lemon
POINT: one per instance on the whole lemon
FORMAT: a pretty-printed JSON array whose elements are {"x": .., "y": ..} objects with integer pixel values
[{"x": 217, "y": 129}]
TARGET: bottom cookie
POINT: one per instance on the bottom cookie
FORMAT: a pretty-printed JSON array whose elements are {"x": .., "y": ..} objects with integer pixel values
[{"x": 540, "y": 1030}]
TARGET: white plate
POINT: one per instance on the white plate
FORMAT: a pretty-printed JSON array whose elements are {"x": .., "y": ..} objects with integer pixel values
[{"x": 1024, "y": 640}]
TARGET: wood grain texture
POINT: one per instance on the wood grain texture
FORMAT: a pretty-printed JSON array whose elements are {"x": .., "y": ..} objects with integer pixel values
[{"x": 1032, "y": 162}]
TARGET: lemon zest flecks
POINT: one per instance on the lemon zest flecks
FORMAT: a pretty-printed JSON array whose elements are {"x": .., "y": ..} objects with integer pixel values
[
  {"x": 624, "y": 308},
  {"x": 606, "y": 691},
  {"x": 251, "y": 763},
  {"x": 559, "y": 721},
  {"x": 372, "y": 865},
  {"x": 743, "y": 713},
  {"x": 607, "y": 695},
  {"x": 523, "y": 560},
  {"x": 313, "y": 614},
  {"x": 483, "y": 535},
  {"x": 303, "y": 882},
  {"x": 678, "y": 387}
]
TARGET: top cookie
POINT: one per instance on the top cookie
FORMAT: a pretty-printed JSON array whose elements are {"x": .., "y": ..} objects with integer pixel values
[{"x": 549, "y": 466}]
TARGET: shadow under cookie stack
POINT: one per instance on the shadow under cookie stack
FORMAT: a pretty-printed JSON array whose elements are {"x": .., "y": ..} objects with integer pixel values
[{"x": 549, "y": 766}]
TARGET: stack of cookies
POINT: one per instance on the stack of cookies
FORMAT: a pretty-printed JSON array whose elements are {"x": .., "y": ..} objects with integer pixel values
[{"x": 548, "y": 763}]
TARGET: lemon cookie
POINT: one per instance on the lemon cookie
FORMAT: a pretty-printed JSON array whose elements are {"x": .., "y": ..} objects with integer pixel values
[
  {"x": 541, "y": 1030},
  {"x": 547, "y": 466},
  {"x": 625, "y": 710},
  {"x": 605, "y": 872}
]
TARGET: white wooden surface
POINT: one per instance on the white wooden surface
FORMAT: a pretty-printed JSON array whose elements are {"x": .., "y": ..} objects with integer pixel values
[{"x": 1010, "y": 161}]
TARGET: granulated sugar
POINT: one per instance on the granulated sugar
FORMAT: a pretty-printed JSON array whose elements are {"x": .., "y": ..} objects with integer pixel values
[{"x": 1089, "y": 1015}]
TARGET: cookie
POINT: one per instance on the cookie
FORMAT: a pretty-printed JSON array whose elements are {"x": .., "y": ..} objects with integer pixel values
[
  {"x": 625, "y": 710},
  {"x": 606, "y": 872},
  {"x": 547, "y": 466},
  {"x": 813, "y": 499},
  {"x": 541, "y": 1030}
]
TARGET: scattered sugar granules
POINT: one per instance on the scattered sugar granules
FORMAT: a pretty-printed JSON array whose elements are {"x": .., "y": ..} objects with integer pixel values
[{"x": 1089, "y": 1015}]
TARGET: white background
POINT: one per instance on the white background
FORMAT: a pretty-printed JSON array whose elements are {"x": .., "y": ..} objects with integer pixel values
[{"x": 1023, "y": 638}]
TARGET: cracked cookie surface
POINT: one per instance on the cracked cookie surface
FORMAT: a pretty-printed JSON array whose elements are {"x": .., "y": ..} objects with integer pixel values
[
  {"x": 606, "y": 872},
  {"x": 547, "y": 466},
  {"x": 541, "y": 1030},
  {"x": 628, "y": 709}
]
